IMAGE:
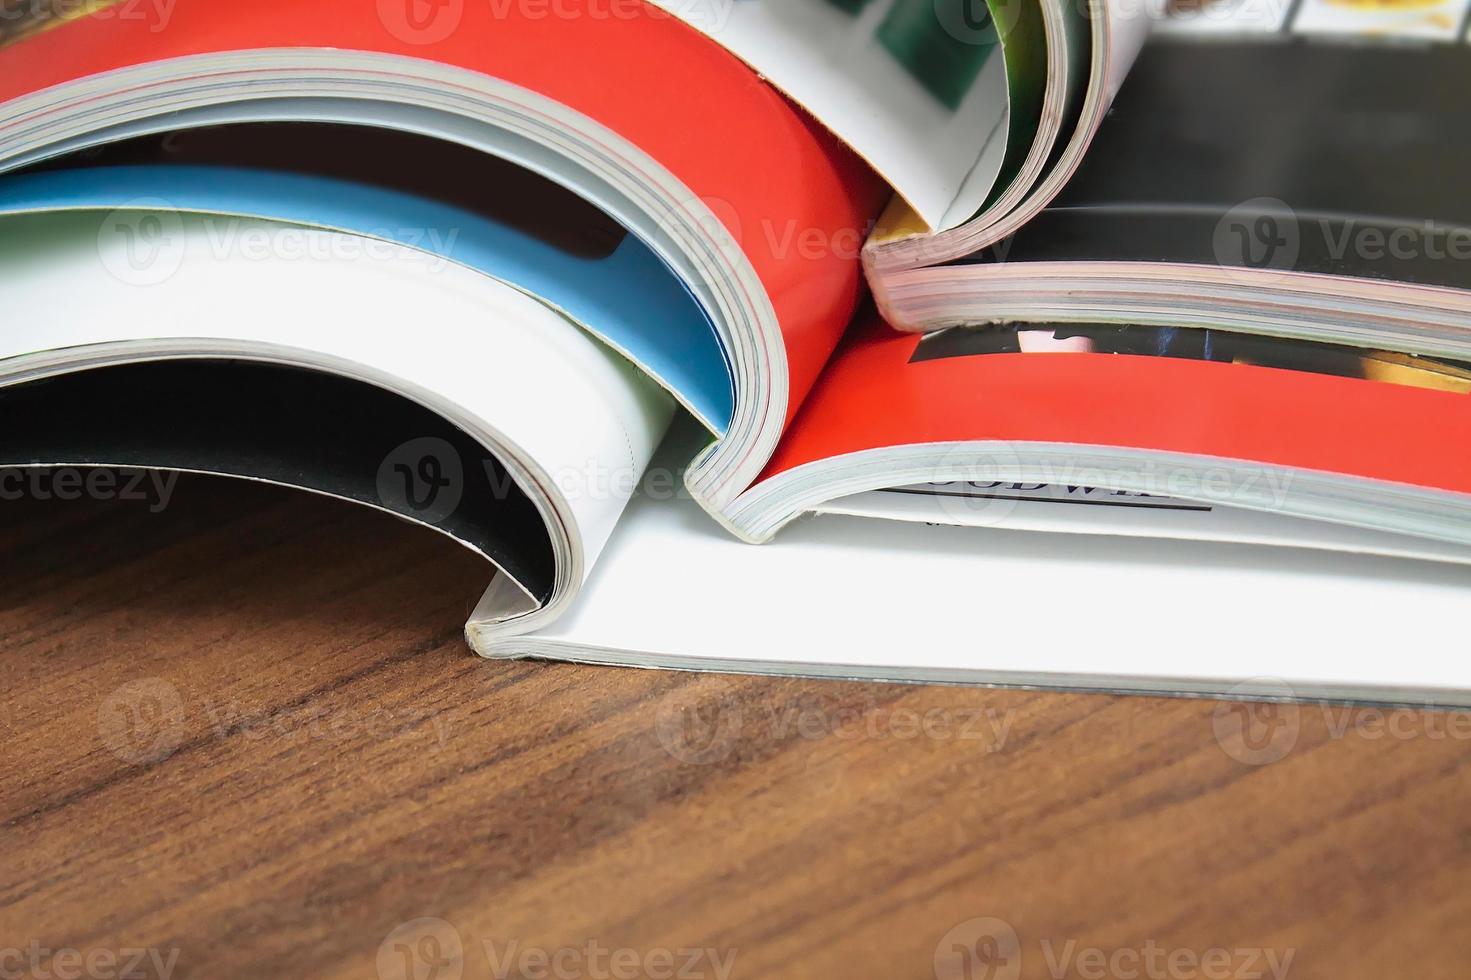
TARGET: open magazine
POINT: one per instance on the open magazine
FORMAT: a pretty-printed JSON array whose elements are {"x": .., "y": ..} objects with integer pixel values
[{"x": 587, "y": 294}]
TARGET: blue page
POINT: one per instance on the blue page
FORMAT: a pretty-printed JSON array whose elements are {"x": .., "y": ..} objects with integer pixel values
[{"x": 629, "y": 297}]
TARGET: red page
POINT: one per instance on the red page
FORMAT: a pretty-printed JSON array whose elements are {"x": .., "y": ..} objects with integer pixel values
[
  {"x": 797, "y": 201},
  {"x": 873, "y": 396}
]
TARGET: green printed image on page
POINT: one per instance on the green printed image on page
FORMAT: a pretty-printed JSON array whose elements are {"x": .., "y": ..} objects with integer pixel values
[
  {"x": 1023, "y": 36},
  {"x": 943, "y": 44}
]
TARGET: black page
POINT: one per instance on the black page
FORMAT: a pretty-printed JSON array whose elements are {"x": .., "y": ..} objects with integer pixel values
[
  {"x": 1344, "y": 156},
  {"x": 423, "y": 166},
  {"x": 302, "y": 428}
]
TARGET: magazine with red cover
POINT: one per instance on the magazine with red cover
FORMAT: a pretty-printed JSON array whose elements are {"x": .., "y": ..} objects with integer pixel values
[
  {"x": 719, "y": 202},
  {"x": 325, "y": 193}
]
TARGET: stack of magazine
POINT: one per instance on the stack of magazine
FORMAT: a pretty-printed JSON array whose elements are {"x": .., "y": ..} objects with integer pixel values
[{"x": 1069, "y": 343}]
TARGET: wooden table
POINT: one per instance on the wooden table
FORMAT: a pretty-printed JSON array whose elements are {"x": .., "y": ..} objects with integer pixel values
[{"x": 244, "y": 738}]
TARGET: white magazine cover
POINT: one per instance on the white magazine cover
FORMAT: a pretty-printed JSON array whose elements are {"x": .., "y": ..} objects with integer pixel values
[{"x": 919, "y": 90}]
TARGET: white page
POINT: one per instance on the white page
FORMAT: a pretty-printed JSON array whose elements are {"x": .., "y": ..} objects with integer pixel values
[
  {"x": 942, "y": 160},
  {"x": 488, "y": 356},
  {"x": 857, "y": 597}
]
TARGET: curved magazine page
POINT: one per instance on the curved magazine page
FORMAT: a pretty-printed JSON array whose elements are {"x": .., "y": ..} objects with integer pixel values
[
  {"x": 1118, "y": 31},
  {"x": 766, "y": 201},
  {"x": 572, "y": 422},
  {"x": 1300, "y": 433},
  {"x": 1021, "y": 503},
  {"x": 552, "y": 242},
  {"x": 1049, "y": 48},
  {"x": 918, "y": 89},
  {"x": 619, "y": 290},
  {"x": 848, "y": 597},
  {"x": 1034, "y": 78},
  {"x": 311, "y": 430},
  {"x": 1051, "y": 44},
  {"x": 1202, "y": 127},
  {"x": 377, "y": 129},
  {"x": 1210, "y": 199},
  {"x": 1416, "y": 319},
  {"x": 1181, "y": 176}
]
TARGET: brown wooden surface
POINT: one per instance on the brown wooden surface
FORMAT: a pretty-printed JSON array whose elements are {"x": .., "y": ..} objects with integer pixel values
[{"x": 383, "y": 775}]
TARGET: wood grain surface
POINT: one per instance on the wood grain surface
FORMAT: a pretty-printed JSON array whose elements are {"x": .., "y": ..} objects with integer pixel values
[{"x": 243, "y": 738}]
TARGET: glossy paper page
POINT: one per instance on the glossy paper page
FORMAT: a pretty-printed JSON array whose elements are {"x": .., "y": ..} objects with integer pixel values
[
  {"x": 1134, "y": 399},
  {"x": 793, "y": 199},
  {"x": 852, "y": 597},
  {"x": 627, "y": 297}
]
